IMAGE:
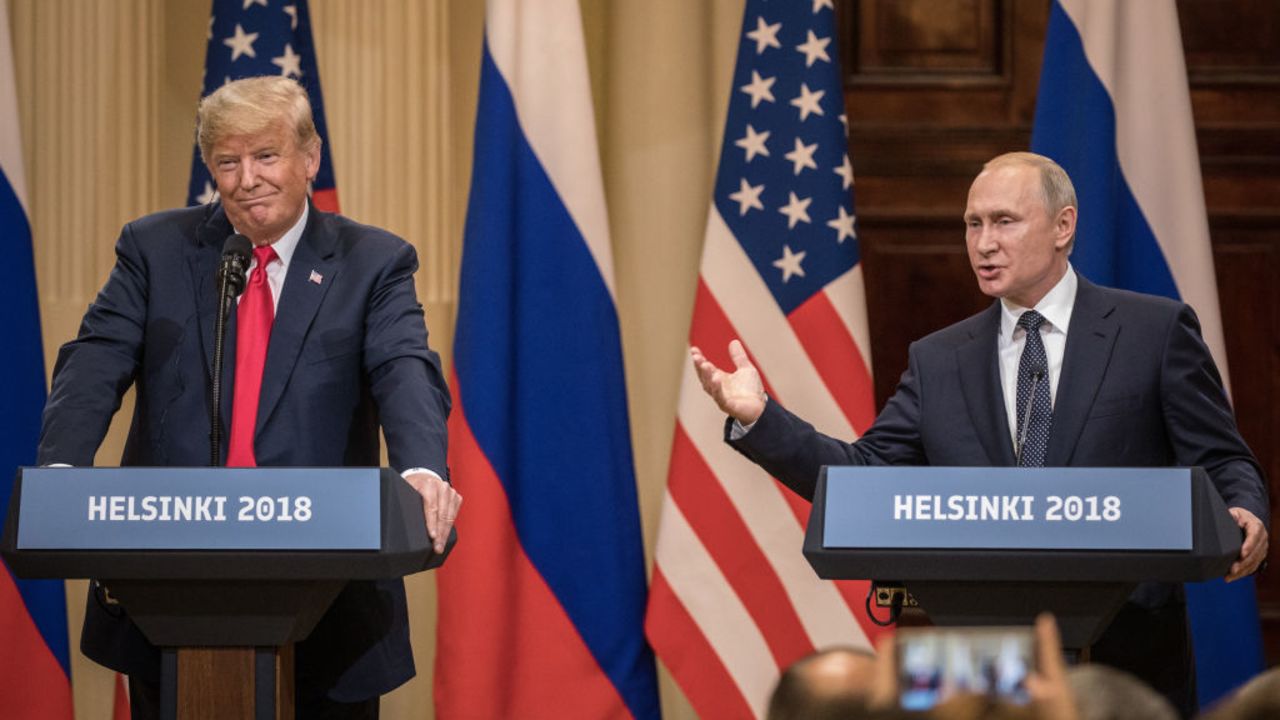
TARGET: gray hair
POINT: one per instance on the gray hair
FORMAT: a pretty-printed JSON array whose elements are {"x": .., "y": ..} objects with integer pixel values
[{"x": 1105, "y": 693}]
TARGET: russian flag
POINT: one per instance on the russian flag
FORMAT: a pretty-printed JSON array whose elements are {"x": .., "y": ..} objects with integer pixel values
[
  {"x": 1115, "y": 111},
  {"x": 541, "y": 606},
  {"x": 34, "y": 678}
]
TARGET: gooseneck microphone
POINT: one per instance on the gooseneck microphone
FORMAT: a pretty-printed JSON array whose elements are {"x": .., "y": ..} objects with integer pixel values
[
  {"x": 236, "y": 254},
  {"x": 1036, "y": 376}
]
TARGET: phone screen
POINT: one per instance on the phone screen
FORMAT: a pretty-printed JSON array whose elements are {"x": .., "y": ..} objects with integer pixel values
[{"x": 937, "y": 663}]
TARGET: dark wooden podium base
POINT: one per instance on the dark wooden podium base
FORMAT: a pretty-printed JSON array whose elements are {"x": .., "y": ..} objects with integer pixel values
[{"x": 227, "y": 683}]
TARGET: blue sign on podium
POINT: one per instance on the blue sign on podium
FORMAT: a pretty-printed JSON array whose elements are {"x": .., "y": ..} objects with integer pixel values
[
  {"x": 1009, "y": 508},
  {"x": 200, "y": 509}
]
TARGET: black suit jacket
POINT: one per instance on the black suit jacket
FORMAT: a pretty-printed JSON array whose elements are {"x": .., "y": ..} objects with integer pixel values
[
  {"x": 348, "y": 354},
  {"x": 1138, "y": 389}
]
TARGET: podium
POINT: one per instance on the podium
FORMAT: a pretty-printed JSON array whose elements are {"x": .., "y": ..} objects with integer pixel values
[
  {"x": 222, "y": 568},
  {"x": 996, "y": 546}
]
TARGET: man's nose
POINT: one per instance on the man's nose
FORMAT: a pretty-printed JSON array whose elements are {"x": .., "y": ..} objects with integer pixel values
[
  {"x": 248, "y": 175},
  {"x": 984, "y": 240}
]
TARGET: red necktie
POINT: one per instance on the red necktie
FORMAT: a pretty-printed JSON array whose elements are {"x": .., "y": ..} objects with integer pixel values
[{"x": 253, "y": 331}]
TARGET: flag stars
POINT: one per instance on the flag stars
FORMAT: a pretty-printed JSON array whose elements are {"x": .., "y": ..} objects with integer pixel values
[
  {"x": 814, "y": 49},
  {"x": 802, "y": 156},
  {"x": 290, "y": 63},
  {"x": 807, "y": 102},
  {"x": 796, "y": 210},
  {"x": 845, "y": 171},
  {"x": 292, "y": 12},
  {"x": 747, "y": 197},
  {"x": 241, "y": 43},
  {"x": 753, "y": 143},
  {"x": 843, "y": 225},
  {"x": 209, "y": 194},
  {"x": 247, "y": 3},
  {"x": 819, "y": 4},
  {"x": 789, "y": 263},
  {"x": 760, "y": 89},
  {"x": 765, "y": 35}
]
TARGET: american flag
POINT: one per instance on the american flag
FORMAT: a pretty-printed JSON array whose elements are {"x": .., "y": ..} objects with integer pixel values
[
  {"x": 732, "y": 599},
  {"x": 248, "y": 38}
]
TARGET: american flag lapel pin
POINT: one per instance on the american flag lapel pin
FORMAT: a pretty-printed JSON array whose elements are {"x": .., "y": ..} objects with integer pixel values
[{"x": 316, "y": 277}]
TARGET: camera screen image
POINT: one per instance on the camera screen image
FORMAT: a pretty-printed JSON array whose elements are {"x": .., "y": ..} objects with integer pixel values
[{"x": 935, "y": 664}]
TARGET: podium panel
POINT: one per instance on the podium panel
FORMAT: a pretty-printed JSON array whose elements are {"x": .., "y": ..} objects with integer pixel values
[
  {"x": 1072, "y": 541},
  {"x": 218, "y": 566}
]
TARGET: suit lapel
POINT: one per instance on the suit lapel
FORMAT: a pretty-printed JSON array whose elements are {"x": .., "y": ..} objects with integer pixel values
[
  {"x": 202, "y": 259},
  {"x": 980, "y": 382},
  {"x": 299, "y": 301},
  {"x": 1090, "y": 339}
]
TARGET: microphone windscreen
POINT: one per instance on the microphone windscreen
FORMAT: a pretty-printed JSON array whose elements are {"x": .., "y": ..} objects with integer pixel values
[{"x": 239, "y": 246}]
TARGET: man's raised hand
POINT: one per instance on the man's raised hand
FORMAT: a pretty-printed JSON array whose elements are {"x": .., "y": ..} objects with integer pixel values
[{"x": 740, "y": 394}]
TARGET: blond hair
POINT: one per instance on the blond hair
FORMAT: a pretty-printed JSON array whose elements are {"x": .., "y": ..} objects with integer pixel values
[{"x": 252, "y": 105}]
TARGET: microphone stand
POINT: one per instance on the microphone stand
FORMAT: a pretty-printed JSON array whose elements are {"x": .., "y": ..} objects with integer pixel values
[
  {"x": 1026, "y": 418},
  {"x": 225, "y": 298}
]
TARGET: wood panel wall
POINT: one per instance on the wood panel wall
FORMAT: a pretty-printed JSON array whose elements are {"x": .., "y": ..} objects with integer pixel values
[{"x": 933, "y": 88}]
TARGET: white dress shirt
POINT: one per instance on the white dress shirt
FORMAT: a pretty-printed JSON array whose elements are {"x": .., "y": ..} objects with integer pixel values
[{"x": 1056, "y": 308}]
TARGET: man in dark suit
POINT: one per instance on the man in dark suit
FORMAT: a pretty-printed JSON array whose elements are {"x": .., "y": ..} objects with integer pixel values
[
  {"x": 1058, "y": 372},
  {"x": 326, "y": 345}
]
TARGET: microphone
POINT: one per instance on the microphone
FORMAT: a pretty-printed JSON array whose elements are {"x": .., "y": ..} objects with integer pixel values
[
  {"x": 1036, "y": 376},
  {"x": 236, "y": 252}
]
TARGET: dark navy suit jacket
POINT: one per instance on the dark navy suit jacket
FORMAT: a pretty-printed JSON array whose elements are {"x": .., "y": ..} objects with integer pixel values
[
  {"x": 348, "y": 353},
  {"x": 1138, "y": 389}
]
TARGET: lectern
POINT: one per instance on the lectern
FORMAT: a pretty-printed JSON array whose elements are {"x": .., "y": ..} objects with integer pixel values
[
  {"x": 222, "y": 568},
  {"x": 996, "y": 546}
]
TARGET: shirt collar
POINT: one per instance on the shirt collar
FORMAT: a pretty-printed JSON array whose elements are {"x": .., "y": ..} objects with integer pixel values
[
  {"x": 1055, "y": 306},
  {"x": 288, "y": 242}
]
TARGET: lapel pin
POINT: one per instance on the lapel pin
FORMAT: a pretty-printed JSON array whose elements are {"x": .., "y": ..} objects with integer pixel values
[{"x": 316, "y": 277}]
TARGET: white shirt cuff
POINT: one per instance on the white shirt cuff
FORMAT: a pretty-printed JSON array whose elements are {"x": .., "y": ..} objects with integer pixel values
[{"x": 412, "y": 471}]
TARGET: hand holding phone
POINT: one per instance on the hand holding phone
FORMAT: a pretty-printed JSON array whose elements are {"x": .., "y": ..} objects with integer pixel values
[{"x": 934, "y": 664}]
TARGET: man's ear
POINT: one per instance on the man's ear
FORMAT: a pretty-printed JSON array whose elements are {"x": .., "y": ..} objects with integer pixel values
[
  {"x": 1064, "y": 227},
  {"x": 312, "y": 155}
]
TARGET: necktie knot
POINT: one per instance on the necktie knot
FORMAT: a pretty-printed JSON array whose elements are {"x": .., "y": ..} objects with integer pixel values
[
  {"x": 1029, "y": 321},
  {"x": 264, "y": 255}
]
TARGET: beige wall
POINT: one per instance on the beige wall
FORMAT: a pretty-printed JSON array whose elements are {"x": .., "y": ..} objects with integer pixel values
[{"x": 107, "y": 91}]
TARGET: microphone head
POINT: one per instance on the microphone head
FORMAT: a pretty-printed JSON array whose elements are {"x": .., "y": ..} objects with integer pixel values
[
  {"x": 236, "y": 252},
  {"x": 237, "y": 245}
]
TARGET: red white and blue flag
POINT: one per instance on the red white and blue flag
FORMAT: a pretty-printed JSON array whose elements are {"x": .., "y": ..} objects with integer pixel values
[
  {"x": 541, "y": 606},
  {"x": 248, "y": 38},
  {"x": 732, "y": 599},
  {"x": 1114, "y": 110},
  {"x": 34, "y": 663}
]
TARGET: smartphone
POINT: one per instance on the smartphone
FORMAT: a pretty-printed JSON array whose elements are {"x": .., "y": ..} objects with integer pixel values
[{"x": 937, "y": 663}]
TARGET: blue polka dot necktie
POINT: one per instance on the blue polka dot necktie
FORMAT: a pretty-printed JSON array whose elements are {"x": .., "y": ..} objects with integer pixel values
[{"x": 1033, "y": 388}]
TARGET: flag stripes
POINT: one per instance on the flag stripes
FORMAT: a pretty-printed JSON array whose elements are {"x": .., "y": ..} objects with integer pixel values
[
  {"x": 732, "y": 546},
  {"x": 34, "y": 655},
  {"x": 703, "y": 677},
  {"x": 836, "y": 357},
  {"x": 753, "y": 314},
  {"x": 732, "y": 600},
  {"x": 540, "y": 394},
  {"x": 486, "y": 585}
]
